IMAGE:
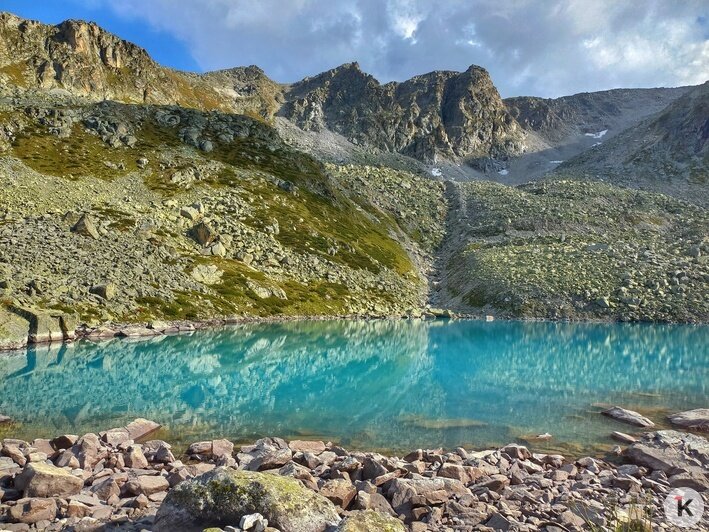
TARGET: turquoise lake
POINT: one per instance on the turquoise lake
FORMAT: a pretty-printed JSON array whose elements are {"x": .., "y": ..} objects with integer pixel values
[{"x": 385, "y": 385}]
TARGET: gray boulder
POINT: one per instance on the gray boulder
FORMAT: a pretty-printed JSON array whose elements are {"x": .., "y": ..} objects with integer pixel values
[
  {"x": 628, "y": 416},
  {"x": 223, "y": 496},
  {"x": 697, "y": 419}
]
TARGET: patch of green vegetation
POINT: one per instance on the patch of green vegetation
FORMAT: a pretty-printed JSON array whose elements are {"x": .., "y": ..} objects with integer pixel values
[
  {"x": 118, "y": 220},
  {"x": 81, "y": 154},
  {"x": 17, "y": 73}
]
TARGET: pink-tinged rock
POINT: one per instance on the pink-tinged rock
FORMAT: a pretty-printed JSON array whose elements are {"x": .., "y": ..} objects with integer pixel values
[
  {"x": 304, "y": 446},
  {"x": 140, "y": 428},
  {"x": 147, "y": 485},
  {"x": 44, "y": 480},
  {"x": 339, "y": 491},
  {"x": 30, "y": 510}
]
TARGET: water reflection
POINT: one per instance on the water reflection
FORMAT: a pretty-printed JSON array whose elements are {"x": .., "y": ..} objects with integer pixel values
[{"x": 389, "y": 385}]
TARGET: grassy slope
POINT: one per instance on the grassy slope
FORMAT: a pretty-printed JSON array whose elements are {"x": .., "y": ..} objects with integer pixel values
[
  {"x": 583, "y": 250},
  {"x": 320, "y": 217}
]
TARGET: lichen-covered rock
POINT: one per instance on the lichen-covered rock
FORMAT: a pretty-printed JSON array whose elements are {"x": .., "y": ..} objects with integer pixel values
[
  {"x": 370, "y": 521},
  {"x": 223, "y": 496}
]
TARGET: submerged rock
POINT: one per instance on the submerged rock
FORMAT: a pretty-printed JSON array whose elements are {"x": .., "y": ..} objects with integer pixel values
[
  {"x": 225, "y": 495},
  {"x": 628, "y": 416}
]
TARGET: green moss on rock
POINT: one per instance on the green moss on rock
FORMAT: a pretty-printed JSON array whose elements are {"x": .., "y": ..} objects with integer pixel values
[{"x": 221, "y": 497}]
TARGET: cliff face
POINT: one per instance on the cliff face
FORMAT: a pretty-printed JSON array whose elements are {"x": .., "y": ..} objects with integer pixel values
[
  {"x": 84, "y": 60},
  {"x": 451, "y": 114},
  {"x": 442, "y": 113}
]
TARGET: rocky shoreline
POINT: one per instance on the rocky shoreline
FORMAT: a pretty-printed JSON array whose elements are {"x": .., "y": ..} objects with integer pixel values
[
  {"x": 121, "y": 479},
  {"x": 159, "y": 328}
]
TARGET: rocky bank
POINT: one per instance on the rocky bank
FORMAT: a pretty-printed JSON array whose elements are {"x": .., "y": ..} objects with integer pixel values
[{"x": 121, "y": 479}]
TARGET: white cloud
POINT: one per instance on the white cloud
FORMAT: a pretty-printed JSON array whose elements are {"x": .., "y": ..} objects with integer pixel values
[{"x": 546, "y": 48}]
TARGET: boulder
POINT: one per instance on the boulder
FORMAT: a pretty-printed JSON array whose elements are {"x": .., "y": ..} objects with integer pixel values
[
  {"x": 45, "y": 480},
  {"x": 697, "y": 419},
  {"x": 211, "y": 449},
  {"x": 140, "y": 428},
  {"x": 370, "y": 521},
  {"x": 315, "y": 447},
  {"x": 207, "y": 274},
  {"x": 32, "y": 511},
  {"x": 682, "y": 456},
  {"x": 223, "y": 496},
  {"x": 85, "y": 226},
  {"x": 134, "y": 457},
  {"x": 339, "y": 491},
  {"x": 147, "y": 485},
  {"x": 628, "y": 416},
  {"x": 43, "y": 326},
  {"x": 204, "y": 234},
  {"x": 14, "y": 330},
  {"x": 266, "y": 453},
  {"x": 106, "y": 291}
]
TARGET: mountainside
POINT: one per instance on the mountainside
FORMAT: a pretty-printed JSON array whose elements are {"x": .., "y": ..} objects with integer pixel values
[
  {"x": 555, "y": 120},
  {"x": 668, "y": 152},
  {"x": 442, "y": 113},
  {"x": 133, "y": 193}
]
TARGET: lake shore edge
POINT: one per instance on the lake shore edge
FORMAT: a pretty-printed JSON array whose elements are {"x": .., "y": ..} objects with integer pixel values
[
  {"x": 109, "y": 330},
  {"x": 121, "y": 477}
]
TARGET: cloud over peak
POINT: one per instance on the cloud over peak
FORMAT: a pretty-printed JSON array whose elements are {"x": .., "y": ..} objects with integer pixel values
[{"x": 543, "y": 48}]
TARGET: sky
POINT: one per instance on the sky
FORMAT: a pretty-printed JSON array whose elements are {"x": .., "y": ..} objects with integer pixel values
[{"x": 544, "y": 48}]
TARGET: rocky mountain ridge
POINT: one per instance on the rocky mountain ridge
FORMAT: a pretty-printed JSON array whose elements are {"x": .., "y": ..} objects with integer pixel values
[
  {"x": 447, "y": 113},
  {"x": 667, "y": 152},
  {"x": 226, "y": 195}
]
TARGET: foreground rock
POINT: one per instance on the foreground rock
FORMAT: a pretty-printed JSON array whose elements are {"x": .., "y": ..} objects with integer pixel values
[
  {"x": 628, "y": 416},
  {"x": 108, "y": 480},
  {"x": 223, "y": 496},
  {"x": 697, "y": 419}
]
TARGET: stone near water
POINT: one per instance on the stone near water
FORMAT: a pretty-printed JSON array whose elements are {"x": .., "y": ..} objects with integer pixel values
[
  {"x": 697, "y": 419},
  {"x": 623, "y": 437},
  {"x": 44, "y": 480},
  {"x": 339, "y": 491},
  {"x": 140, "y": 428},
  {"x": 628, "y": 416},
  {"x": 284, "y": 502}
]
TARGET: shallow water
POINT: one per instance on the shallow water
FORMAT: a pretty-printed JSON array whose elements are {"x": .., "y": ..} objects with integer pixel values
[{"x": 387, "y": 385}]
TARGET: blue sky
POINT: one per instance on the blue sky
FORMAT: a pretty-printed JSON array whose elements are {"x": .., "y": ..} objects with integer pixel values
[
  {"x": 545, "y": 48},
  {"x": 163, "y": 47}
]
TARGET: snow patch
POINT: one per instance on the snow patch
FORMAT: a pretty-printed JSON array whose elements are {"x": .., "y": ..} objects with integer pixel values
[
  {"x": 504, "y": 171},
  {"x": 436, "y": 172},
  {"x": 556, "y": 162},
  {"x": 597, "y": 135}
]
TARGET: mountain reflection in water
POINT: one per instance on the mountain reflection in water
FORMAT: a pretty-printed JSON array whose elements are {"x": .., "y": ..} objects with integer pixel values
[{"x": 390, "y": 385}]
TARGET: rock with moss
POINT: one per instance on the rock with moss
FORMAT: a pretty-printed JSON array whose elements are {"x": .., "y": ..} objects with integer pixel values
[
  {"x": 223, "y": 496},
  {"x": 370, "y": 521}
]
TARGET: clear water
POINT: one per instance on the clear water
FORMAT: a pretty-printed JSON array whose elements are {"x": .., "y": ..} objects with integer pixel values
[{"x": 387, "y": 385}]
